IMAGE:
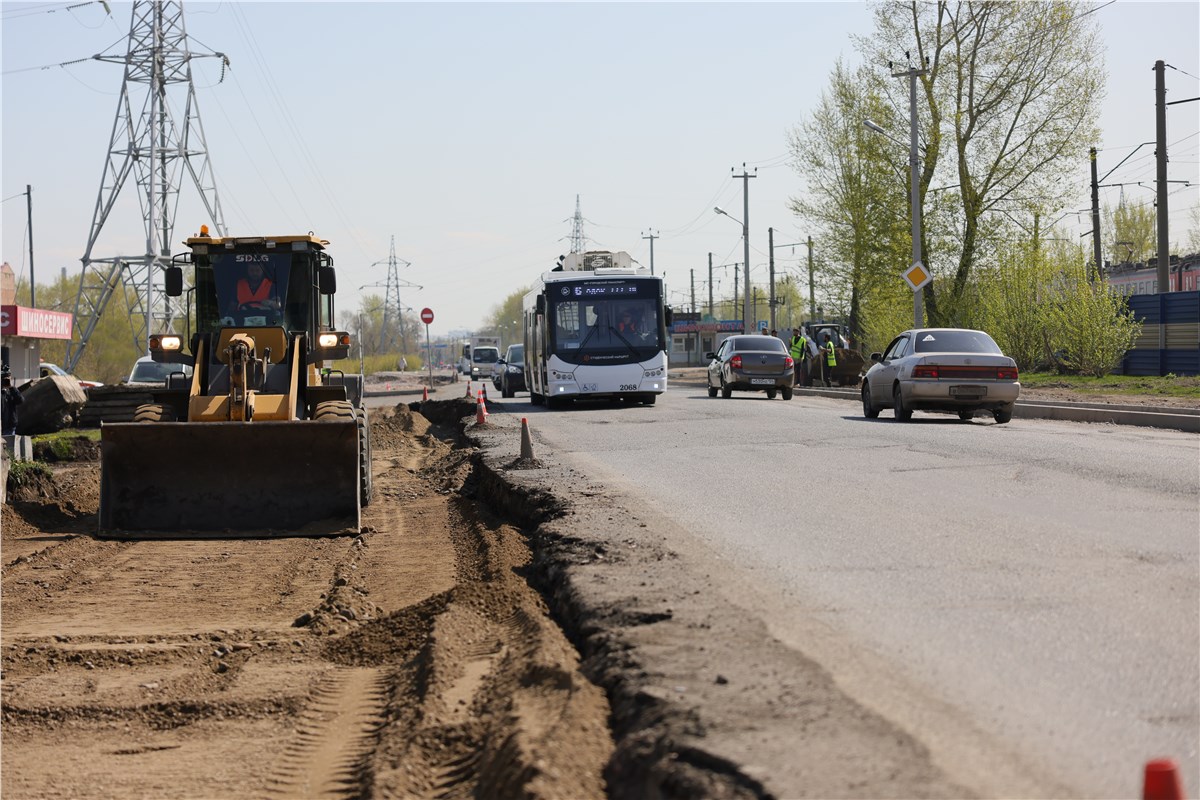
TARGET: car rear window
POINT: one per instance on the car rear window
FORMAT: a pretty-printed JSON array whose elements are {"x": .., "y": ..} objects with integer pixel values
[
  {"x": 758, "y": 344},
  {"x": 955, "y": 342}
]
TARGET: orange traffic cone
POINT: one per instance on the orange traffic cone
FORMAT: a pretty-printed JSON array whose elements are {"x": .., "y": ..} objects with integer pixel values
[
  {"x": 485, "y": 391},
  {"x": 468, "y": 387},
  {"x": 526, "y": 442},
  {"x": 424, "y": 394},
  {"x": 480, "y": 412},
  {"x": 1162, "y": 781}
]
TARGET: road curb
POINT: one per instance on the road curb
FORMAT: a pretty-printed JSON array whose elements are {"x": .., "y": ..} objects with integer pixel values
[{"x": 1182, "y": 419}]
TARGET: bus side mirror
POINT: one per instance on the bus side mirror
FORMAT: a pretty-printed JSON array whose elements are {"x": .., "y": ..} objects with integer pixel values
[
  {"x": 541, "y": 304},
  {"x": 669, "y": 315},
  {"x": 173, "y": 282},
  {"x": 327, "y": 280}
]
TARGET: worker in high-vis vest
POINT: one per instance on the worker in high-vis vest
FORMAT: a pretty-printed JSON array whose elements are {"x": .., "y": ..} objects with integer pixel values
[
  {"x": 829, "y": 362},
  {"x": 799, "y": 353}
]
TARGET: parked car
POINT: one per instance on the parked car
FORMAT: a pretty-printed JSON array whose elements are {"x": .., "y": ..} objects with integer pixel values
[
  {"x": 46, "y": 369},
  {"x": 510, "y": 375},
  {"x": 150, "y": 373},
  {"x": 941, "y": 369},
  {"x": 750, "y": 363}
]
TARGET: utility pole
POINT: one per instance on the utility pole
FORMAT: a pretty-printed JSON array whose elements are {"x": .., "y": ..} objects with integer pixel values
[
  {"x": 1095, "y": 219},
  {"x": 912, "y": 73},
  {"x": 29, "y": 211},
  {"x": 651, "y": 237},
  {"x": 1160, "y": 128},
  {"x": 748, "y": 321},
  {"x": 710, "y": 287},
  {"x": 771, "y": 261},
  {"x": 696, "y": 333},
  {"x": 812, "y": 293}
]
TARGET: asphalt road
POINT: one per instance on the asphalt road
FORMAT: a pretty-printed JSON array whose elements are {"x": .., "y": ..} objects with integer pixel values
[{"x": 1024, "y": 598}]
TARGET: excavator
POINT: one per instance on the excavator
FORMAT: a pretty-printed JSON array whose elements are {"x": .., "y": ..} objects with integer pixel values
[{"x": 262, "y": 438}]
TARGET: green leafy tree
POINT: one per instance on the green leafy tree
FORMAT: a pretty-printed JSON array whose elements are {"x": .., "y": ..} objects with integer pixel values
[
  {"x": 1009, "y": 99},
  {"x": 110, "y": 353},
  {"x": 850, "y": 198},
  {"x": 1091, "y": 326},
  {"x": 1131, "y": 232},
  {"x": 505, "y": 318}
]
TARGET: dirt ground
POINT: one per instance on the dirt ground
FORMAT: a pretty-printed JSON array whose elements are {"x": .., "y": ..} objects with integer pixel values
[{"x": 413, "y": 660}]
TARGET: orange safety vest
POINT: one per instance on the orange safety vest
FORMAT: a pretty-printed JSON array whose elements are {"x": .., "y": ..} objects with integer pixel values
[{"x": 256, "y": 297}]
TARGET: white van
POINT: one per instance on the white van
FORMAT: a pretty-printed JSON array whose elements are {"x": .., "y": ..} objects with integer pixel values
[{"x": 483, "y": 362}]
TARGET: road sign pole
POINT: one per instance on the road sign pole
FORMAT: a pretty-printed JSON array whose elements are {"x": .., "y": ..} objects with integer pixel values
[{"x": 427, "y": 318}]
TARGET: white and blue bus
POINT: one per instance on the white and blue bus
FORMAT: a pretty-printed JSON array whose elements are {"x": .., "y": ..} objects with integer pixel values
[{"x": 595, "y": 327}]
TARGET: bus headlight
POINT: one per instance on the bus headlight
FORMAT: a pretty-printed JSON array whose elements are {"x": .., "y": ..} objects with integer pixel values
[
  {"x": 555, "y": 375},
  {"x": 653, "y": 373}
]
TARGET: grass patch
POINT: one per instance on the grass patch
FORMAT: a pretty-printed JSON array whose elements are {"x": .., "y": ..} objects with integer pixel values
[
  {"x": 69, "y": 444},
  {"x": 1187, "y": 387},
  {"x": 23, "y": 473}
]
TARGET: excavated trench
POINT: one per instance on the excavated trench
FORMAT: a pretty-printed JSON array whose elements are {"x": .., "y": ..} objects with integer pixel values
[{"x": 417, "y": 659}]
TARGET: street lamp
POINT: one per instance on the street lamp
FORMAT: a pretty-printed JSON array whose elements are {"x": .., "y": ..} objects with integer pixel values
[
  {"x": 914, "y": 190},
  {"x": 747, "y": 308}
]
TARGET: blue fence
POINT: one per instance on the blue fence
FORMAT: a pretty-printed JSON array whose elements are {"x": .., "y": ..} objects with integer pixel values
[{"x": 1170, "y": 339}]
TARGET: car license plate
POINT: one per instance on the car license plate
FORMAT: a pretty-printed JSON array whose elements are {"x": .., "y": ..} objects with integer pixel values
[
  {"x": 762, "y": 380},
  {"x": 972, "y": 391}
]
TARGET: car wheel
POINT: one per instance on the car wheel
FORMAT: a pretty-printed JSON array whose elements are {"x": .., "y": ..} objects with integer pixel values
[
  {"x": 726, "y": 390},
  {"x": 504, "y": 390},
  {"x": 786, "y": 391},
  {"x": 902, "y": 414},
  {"x": 869, "y": 409},
  {"x": 966, "y": 413},
  {"x": 712, "y": 391},
  {"x": 771, "y": 394},
  {"x": 1003, "y": 415}
]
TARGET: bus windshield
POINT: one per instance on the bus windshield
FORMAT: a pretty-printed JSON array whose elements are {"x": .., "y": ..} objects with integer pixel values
[{"x": 606, "y": 329}]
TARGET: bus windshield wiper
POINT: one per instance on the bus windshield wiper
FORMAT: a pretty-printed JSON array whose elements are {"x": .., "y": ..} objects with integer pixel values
[{"x": 632, "y": 349}]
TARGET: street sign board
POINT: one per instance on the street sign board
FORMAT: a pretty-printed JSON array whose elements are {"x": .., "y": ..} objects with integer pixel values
[
  {"x": 427, "y": 315},
  {"x": 917, "y": 276}
]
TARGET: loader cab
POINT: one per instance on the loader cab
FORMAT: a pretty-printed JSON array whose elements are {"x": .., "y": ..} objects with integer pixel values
[{"x": 253, "y": 282}]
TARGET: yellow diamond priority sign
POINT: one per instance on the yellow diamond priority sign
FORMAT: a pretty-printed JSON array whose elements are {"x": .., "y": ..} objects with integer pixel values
[{"x": 917, "y": 276}]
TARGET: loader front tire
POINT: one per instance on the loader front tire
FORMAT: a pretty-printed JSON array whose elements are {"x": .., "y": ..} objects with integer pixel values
[
  {"x": 364, "y": 457},
  {"x": 154, "y": 412}
]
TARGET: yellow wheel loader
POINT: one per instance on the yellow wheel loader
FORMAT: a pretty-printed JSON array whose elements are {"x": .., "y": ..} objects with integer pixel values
[{"x": 261, "y": 439}]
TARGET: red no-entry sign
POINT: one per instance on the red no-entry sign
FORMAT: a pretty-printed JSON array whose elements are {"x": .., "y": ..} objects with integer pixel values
[{"x": 427, "y": 315}]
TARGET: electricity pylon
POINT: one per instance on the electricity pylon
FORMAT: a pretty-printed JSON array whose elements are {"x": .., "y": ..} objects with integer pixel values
[
  {"x": 392, "y": 307},
  {"x": 578, "y": 240},
  {"x": 150, "y": 142}
]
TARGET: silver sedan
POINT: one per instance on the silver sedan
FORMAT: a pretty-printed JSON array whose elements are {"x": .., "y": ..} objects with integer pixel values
[{"x": 941, "y": 369}]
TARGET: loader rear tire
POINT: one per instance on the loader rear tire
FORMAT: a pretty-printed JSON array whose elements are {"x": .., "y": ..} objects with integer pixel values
[{"x": 154, "y": 412}]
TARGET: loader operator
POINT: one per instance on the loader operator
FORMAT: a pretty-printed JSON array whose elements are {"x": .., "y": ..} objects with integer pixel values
[{"x": 256, "y": 290}]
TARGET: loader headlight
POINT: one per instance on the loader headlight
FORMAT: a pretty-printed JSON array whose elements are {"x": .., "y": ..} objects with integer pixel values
[
  {"x": 165, "y": 343},
  {"x": 327, "y": 340}
]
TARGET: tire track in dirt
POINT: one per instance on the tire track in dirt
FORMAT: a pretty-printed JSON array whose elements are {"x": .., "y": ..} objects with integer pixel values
[
  {"x": 412, "y": 660},
  {"x": 329, "y": 754}
]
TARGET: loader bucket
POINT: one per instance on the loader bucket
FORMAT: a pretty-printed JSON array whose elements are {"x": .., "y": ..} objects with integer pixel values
[{"x": 228, "y": 479}]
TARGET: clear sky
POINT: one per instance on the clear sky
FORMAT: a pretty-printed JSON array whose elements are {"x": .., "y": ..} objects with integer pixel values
[{"x": 466, "y": 131}]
